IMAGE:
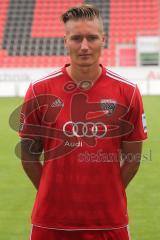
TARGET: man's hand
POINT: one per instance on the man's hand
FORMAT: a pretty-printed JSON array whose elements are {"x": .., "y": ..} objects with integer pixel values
[
  {"x": 130, "y": 160},
  {"x": 30, "y": 157}
]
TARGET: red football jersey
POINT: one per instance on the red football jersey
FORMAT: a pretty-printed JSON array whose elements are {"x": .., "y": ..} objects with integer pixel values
[{"x": 81, "y": 128}]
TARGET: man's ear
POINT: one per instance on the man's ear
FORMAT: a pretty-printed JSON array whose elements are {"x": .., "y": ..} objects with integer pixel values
[
  {"x": 104, "y": 39},
  {"x": 65, "y": 41},
  {"x": 65, "y": 45}
]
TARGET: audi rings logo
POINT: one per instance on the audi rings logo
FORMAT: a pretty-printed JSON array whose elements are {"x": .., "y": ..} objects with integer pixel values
[{"x": 85, "y": 129}]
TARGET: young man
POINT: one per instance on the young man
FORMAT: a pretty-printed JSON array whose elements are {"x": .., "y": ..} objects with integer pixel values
[{"x": 84, "y": 119}]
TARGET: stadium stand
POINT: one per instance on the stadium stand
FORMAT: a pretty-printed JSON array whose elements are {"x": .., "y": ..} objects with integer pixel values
[{"x": 31, "y": 34}]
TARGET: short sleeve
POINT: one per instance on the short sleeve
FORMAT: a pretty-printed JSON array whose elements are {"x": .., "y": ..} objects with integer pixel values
[
  {"x": 137, "y": 118},
  {"x": 29, "y": 116}
]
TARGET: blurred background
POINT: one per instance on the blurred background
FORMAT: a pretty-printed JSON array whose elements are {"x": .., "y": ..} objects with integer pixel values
[{"x": 31, "y": 46}]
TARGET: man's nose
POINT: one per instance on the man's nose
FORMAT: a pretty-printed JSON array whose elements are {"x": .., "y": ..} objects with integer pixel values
[{"x": 84, "y": 44}]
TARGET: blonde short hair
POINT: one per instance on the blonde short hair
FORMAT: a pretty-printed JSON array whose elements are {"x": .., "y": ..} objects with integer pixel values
[{"x": 83, "y": 11}]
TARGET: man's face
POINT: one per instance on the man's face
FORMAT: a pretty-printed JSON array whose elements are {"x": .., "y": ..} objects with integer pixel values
[{"x": 84, "y": 40}]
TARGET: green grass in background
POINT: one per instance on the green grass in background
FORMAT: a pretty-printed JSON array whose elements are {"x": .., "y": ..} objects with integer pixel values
[
  {"x": 17, "y": 193},
  {"x": 143, "y": 192}
]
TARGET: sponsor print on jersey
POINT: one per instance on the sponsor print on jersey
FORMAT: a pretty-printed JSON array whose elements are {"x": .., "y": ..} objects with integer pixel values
[
  {"x": 80, "y": 127},
  {"x": 144, "y": 122},
  {"x": 85, "y": 129}
]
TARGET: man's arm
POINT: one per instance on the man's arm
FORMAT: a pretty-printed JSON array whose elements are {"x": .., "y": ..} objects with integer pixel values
[
  {"x": 30, "y": 157},
  {"x": 130, "y": 160}
]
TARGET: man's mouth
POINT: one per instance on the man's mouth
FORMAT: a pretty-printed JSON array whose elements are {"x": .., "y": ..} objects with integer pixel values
[{"x": 84, "y": 55}]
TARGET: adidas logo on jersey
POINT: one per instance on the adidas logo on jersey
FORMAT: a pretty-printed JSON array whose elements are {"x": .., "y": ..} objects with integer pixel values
[{"x": 57, "y": 103}]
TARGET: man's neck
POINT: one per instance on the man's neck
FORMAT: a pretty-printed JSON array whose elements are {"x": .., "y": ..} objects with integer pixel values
[{"x": 79, "y": 73}]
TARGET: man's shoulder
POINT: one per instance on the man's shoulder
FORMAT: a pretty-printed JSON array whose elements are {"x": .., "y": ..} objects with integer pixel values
[
  {"x": 49, "y": 77},
  {"x": 119, "y": 80}
]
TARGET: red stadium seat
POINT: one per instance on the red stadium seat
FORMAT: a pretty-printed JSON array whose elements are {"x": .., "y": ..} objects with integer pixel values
[
  {"x": 41, "y": 45},
  {"x": 127, "y": 57}
]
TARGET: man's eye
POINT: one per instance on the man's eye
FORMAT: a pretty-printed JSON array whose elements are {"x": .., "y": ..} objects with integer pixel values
[
  {"x": 92, "y": 38},
  {"x": 76, "y": 38},
  {"x": 80, "y": 38}
]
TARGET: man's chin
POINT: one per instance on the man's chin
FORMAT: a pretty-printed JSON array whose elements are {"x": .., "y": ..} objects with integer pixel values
[{"x": 85, "y": 63}]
